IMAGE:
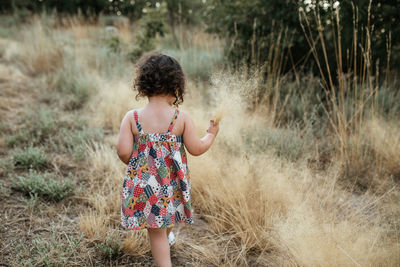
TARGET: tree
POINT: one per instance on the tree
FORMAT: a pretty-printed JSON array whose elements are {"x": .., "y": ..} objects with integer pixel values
[{"x": 253, "y": 27}]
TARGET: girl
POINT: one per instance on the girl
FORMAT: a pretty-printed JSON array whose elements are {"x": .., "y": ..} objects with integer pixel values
[{"x": 156, "y": 188}]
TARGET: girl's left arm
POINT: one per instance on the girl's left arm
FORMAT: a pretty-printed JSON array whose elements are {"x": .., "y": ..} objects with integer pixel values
[{"x": 125, "y": 138}]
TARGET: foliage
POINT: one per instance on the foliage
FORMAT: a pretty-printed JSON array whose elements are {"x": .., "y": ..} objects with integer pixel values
[
  {"x": 179, "y": 11},
  {"x": 41, "y": 125},
  {"x": 287, "y": 143},
  {"x": 111, "y": 248},
  {"x": 20, "y": 137},
  {"x": 197, "y": 63},
  {"x": 44, "y": 185},
  {"x": 30, "y": 158},
  {"x": 71, "y": 7},
  {"x": 152, "y": 25},
  {"x": 382, "y": 17},
  {"x": 76, "y": 142},
  {"x": 249, "y": 27}
]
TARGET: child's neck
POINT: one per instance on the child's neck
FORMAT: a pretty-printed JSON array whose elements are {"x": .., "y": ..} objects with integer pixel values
[{"x": 161, "y": 100}]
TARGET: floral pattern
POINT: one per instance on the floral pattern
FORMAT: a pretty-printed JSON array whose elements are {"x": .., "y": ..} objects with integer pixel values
[{"x": 156, "y": 188}]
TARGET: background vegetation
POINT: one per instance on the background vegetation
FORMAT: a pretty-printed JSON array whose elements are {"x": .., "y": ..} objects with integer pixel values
[{"x": 305, "y": 170}]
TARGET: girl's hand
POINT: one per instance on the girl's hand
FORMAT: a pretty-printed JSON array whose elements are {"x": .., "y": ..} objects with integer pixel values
[
  {"x": 193, "y": 143},
  {"x": 213, "y": 128}
]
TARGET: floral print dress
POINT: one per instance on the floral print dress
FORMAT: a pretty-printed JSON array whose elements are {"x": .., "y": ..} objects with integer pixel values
[{"x": 156, "y": 188}]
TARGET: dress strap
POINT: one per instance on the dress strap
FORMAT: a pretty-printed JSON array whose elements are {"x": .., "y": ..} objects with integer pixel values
[
  {"x": 136, "y": 116},
  {"x": 171, "y": 125}
]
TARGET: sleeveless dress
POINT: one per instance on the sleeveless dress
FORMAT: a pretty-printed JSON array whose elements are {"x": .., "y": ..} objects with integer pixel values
[{"x": 156, "y": 187}]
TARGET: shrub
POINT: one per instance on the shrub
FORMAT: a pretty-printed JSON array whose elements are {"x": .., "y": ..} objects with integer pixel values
[
  {"x": 20, "y": 137},
  {"x": 39, "y": 125},
  {"x": 31, "y": 158},
  {"x": 111, "y": 248},
  {"x": 197, "y": 63},
  {"x": 114, "y": 44},
  {"x": 44, "y": 186},
  {"x": 75, "y": 141},
  {"x": 287, "y": 143},
  {"x": 152, "y": 25},
  {"x": 43, "y": 123}
]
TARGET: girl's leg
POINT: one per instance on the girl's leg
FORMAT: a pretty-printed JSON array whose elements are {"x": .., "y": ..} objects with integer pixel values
[{"x": 159, "y": 246}]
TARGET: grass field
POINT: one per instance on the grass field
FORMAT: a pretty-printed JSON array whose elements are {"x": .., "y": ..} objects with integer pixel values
[{"x": 287, "y": 183}]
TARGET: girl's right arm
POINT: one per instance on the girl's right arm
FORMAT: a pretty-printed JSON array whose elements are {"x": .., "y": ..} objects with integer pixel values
[
  {"x": 193, "y": 143},
  {"x": 125, "y": 138}
]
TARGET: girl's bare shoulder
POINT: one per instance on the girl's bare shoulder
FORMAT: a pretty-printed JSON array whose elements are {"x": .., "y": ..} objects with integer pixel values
[{"x": 184, "y": 115}]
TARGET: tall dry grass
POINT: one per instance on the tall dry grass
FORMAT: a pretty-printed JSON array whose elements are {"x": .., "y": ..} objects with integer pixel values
[
  {"x": 355, "y": 101},
  {"x": 43, "y": 54},
  {"x": 260, "y": 208}
]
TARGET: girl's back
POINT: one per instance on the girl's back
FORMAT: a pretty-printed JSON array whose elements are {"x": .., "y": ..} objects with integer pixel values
[{"x": 156, "y": 118}]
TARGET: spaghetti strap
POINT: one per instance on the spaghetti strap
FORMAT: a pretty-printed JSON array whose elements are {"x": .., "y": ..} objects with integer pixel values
[
  {"x": 171, "y": 125},
  {"x": 136, "y": 117}
]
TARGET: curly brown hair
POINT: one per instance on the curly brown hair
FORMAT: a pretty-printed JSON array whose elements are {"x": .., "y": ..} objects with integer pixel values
[{"x": 159, "y": 74}]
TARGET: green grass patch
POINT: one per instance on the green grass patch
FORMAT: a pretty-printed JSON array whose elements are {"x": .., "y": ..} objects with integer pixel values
[
  {"x": 31, "y": 158},
  {"x": 44, "y": 186}
]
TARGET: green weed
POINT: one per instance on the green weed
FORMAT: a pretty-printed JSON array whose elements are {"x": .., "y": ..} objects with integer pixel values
[
  {"x": 30, "y": 158},
  {"x": 111, "y": 248},
  {"x": 45, "y": 186},
  {"x": 44, "y": 123},
  {"x": 32, "y": 202},
  {"x": 21, "y": 137}
]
